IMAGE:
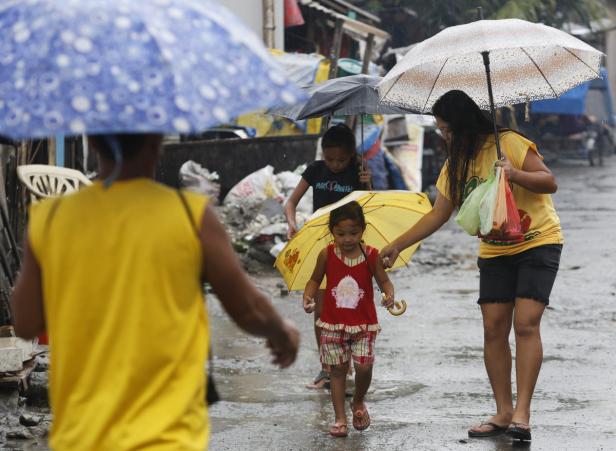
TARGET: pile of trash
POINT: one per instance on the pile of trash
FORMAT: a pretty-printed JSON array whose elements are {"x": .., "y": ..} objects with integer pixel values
[{"x": 253, "y": 210}]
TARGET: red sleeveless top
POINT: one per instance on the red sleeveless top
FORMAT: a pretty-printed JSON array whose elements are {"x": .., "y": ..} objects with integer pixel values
[{"x": 349, "y": 297}]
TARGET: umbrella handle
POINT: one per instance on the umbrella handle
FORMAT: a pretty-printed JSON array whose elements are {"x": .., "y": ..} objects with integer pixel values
[{"x": 398, "y": 309}]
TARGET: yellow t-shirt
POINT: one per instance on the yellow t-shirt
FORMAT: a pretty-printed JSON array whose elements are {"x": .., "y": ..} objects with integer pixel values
[
  {"x": 540, "y": 223},
  {"x": 126, "y": 319}
]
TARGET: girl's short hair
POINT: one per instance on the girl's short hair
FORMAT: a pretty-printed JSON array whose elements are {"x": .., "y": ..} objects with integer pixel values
[
  {"x": 339, "y": 135},
  {"x": 351, "y": 210}
]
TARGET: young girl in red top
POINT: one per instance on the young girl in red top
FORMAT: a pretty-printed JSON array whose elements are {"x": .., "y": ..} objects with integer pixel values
[{"x": 348, "y": 321}]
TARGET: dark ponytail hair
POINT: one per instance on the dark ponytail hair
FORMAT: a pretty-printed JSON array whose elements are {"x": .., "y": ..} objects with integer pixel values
[
  {"x": 351, "y": 210},
  {"x": 468, "y": 124}
]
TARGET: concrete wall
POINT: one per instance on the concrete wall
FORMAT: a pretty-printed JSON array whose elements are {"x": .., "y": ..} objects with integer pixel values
[
  {"x": 251, "y": 13},
  {"x": 234, "y": 159}
]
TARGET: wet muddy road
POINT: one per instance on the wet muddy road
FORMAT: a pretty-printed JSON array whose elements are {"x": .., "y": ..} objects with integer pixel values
[{"x": 429, "y": 381}]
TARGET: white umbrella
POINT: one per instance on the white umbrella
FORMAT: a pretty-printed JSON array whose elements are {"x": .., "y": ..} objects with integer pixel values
[{"x": 521, "y": 60}]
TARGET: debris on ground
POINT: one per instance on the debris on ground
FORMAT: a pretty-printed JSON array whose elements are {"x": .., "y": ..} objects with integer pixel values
[{"x": 253, "y": 212}]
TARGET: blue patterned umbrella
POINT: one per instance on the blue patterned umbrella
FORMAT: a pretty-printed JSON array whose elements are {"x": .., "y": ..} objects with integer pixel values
[{"x": 112, "y": 66}]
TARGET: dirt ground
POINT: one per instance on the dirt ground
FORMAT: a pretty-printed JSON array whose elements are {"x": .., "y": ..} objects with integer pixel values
[{"x": 429, "y": 381}]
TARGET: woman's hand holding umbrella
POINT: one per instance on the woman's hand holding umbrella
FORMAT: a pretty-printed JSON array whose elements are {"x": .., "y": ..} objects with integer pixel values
[{"x": 510, "y": 171}]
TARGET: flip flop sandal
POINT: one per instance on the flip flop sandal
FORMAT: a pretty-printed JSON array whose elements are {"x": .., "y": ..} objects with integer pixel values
[
  {"x": 339, "y": 430},
  {"x": 519, "y": 431},
  {"x": 323, "y": 376},
  {"x": 496, "y": 430},
  {"x": 361, "y": 419}
]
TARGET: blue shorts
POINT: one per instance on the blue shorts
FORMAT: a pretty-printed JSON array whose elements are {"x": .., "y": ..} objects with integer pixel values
[{"x": 529, "y": 274}]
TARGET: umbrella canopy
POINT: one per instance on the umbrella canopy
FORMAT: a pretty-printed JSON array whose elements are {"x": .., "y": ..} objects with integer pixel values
[
  {"x": 388, "y": 214},
  {"x": 527, "y": 62},
  {"x": 112, "y": 66},
  {"x": 344, "y": 96}
]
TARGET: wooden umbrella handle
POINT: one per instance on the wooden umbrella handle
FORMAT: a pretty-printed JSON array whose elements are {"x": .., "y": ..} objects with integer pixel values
[{"x": 398, "y": 309}]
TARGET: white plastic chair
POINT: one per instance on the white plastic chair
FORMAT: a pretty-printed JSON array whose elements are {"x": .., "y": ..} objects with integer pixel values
[{"x": 43, "y": 181}]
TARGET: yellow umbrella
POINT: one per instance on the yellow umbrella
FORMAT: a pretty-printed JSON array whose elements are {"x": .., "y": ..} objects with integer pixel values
[{"x": 388, "y": 214}]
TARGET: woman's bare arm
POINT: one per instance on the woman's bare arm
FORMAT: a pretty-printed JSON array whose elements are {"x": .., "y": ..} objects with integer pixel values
[
  {"x": 27, "y": 299},
  {"x": 534, "y": 175},
  {"x": 426, "y": 226}
]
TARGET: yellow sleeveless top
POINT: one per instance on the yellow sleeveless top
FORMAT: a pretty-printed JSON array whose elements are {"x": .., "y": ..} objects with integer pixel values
[{"x": 126, "y": 319}]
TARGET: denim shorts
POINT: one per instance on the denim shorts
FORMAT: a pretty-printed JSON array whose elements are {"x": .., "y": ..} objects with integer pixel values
[{"x": 529, "y": 274}]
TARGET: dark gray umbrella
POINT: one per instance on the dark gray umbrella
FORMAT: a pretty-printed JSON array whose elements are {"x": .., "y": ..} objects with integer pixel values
[{"x": 344, "y": 96}]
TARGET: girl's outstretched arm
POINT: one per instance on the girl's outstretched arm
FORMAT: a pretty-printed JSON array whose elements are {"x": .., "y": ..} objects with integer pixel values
[
  {"x": 382, "y": 280},
  {"x": 315, "y": 282},
  {"x": 425, "y": 227},
  {"x": 291, "y": 205},
  {"x": 534, "y": 175}
]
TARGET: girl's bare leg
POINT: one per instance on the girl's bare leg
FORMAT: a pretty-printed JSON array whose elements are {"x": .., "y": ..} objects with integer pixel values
[
  {"x": 529, "y": 354},
  {"x": 337, "y": 388},
  {"x": 363, "y": 378}
]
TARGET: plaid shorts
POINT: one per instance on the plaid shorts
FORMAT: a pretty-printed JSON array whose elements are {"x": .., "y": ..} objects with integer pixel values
[{"x": 337, "y": 347}]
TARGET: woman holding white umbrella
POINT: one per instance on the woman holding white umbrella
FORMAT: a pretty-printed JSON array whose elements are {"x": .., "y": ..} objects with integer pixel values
[
  {"x": 522, "y": 61},
  {"x": 515, "y": 279}
]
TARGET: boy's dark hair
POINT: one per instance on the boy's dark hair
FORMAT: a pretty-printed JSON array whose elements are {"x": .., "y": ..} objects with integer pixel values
[
  {"x": 340, "y": 135},
  {"x": 128, "y": 143},
  {"x": 351, "y": 210}
]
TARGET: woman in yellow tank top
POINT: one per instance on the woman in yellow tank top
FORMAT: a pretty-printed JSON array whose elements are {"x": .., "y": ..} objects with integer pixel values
[
  {"x": 515, "y": 279},
  {"x": 114, "y": 274}
]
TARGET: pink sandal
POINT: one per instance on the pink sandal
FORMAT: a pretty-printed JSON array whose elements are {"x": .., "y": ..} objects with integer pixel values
[
  {"x": 339, "y": 430},
  {"x": 361, "y": 418}
]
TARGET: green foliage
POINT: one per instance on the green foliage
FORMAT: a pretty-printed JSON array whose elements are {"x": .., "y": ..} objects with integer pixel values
[
  {"x": 553, "y": 12},
  {"x": 438, "y": 14}
]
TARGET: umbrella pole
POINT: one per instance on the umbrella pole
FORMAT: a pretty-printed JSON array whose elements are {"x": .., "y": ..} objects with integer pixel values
[
  {"x": 363, "y": 160},
  {"x": 486, "y": 63}
]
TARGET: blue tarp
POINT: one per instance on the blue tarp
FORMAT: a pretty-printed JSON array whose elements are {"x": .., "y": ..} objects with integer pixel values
[{"x": 574, "y": 101}]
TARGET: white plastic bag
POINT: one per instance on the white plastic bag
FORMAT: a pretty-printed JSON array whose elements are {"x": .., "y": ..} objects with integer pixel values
[
  {"x": 198, "y": 179},
  {"x": 486, "y": 206},
  {"x": 288, "y": 181},
  {"x": 253, "y": 189}
]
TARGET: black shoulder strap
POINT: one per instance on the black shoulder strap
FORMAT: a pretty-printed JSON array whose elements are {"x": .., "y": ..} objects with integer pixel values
[
  {"x": 52, "y": 212},
  {"x": 188, "y": 212}
]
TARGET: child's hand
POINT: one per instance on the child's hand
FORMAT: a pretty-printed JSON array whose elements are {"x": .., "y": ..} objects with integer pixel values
[
  {"x": 292, "y": 231},
  {"x": 309, "y": 304},
  {"x": 387, "y": 300},
  {"x": 365, "y": 176}
]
